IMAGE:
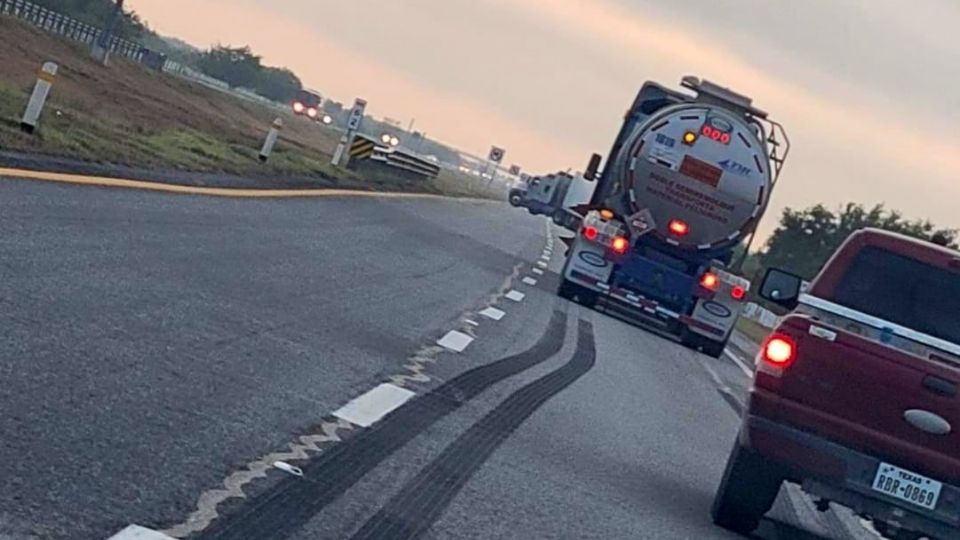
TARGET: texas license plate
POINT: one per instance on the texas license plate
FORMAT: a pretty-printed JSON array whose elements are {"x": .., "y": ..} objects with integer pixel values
[{"x": 907, "y": 486}]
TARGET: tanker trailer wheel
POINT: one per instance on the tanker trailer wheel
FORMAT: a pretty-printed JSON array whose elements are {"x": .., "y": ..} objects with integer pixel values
[
  {"x": 713, "y": 348},
  {"x": 576, "y": 293}
]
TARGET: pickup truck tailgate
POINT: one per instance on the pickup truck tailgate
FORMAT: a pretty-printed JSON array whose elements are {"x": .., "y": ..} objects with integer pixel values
[{"x": 856, "y": 380}]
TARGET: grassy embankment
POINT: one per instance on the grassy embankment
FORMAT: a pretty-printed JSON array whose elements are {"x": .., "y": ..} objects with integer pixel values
[{"x": 129, "y": 115}]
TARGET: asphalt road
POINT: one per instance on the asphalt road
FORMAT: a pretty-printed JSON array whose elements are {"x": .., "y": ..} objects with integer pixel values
[{"x": 177, "y": 361}]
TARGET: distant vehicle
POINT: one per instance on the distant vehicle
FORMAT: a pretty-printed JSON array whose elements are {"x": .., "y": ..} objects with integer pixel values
[
  {"x": 687, "y": 181},
  {"x": 856, "y": 392},
  {"x": 553, "y": 195},
  {"x": 307, "y": 104}
]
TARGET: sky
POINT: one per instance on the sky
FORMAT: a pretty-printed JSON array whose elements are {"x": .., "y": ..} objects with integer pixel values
[{"x": 868, "y": 90}]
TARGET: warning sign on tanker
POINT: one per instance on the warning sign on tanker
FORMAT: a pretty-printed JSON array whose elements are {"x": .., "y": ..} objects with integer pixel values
[
  {"x": 701, "y": 170},
  {"x": 684, "y": 196}
]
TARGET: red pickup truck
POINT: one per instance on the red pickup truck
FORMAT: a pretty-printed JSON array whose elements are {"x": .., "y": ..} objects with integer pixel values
[{"x": 855, "y": 396}]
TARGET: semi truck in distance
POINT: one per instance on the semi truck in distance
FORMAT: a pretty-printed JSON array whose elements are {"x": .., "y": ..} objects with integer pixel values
[
  {"x": 554, "y": 195},
  {"x": 686, "y": 182}
]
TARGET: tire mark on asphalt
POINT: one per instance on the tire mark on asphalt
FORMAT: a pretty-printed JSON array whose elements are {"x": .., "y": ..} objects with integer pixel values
[
  {"x": 412, "y": 511},
  {"x": 283, "y": 508}
]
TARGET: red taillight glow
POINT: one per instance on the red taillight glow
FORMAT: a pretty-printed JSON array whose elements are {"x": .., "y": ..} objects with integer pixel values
[
  {"x": 710, "y": 281},
  {"x": 779, "y": 351},
  {"x": 619, "y": 244},
  {"x": 738, "y": 292},
  {"x": 298, "y": 107},
  {"x": 590, "y": 233},
  {"x": 679, "y": 228}
]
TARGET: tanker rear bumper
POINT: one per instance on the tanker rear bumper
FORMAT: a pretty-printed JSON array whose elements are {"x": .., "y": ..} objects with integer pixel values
[{"x": 637, "y": 308}]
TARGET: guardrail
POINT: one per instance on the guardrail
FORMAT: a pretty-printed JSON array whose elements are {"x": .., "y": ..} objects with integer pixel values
[
  {"x": 406, "y": 161},
  {"x": 68, "y": 27}
]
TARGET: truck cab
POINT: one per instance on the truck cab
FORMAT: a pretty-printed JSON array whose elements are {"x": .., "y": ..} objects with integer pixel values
[{"x": 855, "y": 396}]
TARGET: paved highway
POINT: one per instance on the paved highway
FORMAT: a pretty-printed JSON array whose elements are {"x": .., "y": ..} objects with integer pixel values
[{"x": 170, "y": 360}]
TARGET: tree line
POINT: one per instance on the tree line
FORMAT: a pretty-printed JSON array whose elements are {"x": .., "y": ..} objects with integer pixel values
[
  {"x": 806, "y": 238},
  {"x": 237, "y": 66}
]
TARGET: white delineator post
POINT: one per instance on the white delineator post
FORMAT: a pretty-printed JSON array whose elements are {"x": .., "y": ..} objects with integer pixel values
[
  {"x": 272, "y": 137},
  {"x": 353, "y": 125},
  {"x": 39, "y": 97}
]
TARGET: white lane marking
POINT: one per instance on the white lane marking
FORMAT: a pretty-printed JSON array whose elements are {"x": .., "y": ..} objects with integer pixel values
[
  {"x": 370, "y": 407},
  {"x": 493, "y": 313},
  {"x": 471, "y": 322},
  {"x": 541, "y": 264},
  {"x": 529, "y": 281},
  {"x": 516, "y": 296},
  {"x": 455, "y": 340},
  {"x": 739, "y": 362},
  {"x": 136, "y": 532},
  {"x": 538, "y": 271},
  {"x": 545, "y": 257}
]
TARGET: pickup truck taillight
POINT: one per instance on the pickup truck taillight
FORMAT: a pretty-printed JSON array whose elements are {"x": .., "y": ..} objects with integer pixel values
[{"x": 777, "y": 354}]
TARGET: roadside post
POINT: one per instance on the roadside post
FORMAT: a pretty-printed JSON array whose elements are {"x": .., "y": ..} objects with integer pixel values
[
  {"x": 493, "y": 160},
  {"x": 39, "y": 97},
  {"x": 271, "y": 140},
  {"x": 353, "y": 125},
  {"x": 101, "y": 47}
]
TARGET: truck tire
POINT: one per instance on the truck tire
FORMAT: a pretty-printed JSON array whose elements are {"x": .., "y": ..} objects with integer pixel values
[
  {"x": 713, "y": 348},
  {"x": 576, "y": 293},
  {"x": 558, "y": 217},
  {"x": 515, "y": 199},
  {"x": 749, "y": 486}
]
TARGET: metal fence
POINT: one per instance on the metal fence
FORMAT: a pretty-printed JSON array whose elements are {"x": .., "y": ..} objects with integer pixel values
[{"x": 68, "y": 27}]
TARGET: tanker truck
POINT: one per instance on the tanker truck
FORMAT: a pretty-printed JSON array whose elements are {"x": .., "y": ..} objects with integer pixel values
[{"x": 688, "y": 178}]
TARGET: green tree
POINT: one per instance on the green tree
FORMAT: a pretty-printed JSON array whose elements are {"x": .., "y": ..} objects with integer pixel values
[
  {"x": 806, "y": 238},
  {"x": 237, "y": 66},
  {"x": 97, "y": 13},
  {"x": 278, "y": 84}
]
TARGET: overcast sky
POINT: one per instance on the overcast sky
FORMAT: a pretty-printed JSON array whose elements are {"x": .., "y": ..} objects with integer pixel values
[{"x": 869, "y": 90}]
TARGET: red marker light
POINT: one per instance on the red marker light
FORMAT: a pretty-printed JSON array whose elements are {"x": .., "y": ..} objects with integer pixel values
[
  {"x": 738, "y": 292},
  {"x": 679, "y": 228},
  {"x": 619, "y": 245},
  {"x": 710, "y": 281},
  {"x": 779, "y": 351},
  {"x": 590, "y": 233}
]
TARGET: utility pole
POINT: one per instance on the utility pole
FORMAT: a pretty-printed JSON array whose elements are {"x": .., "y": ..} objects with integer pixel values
[{"x": 101, "y": 48}]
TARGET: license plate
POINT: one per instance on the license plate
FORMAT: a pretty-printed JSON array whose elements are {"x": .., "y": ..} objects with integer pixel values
[{"x": 907, "y": 486}]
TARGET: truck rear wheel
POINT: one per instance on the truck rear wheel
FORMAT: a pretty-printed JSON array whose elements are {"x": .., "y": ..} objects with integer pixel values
[
  {"x": 576, "y": 293},
  {"x": 713, "y": 348},
  {"x": 749, "y": 486}
]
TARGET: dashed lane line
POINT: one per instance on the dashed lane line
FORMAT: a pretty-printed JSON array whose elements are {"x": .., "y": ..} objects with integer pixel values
[
  {"x": 541, "y": 264},
  {"x": 369, "y": 408},
  {"x": 538, "y": 271},
  {"x": 136, "y": 532},
  {"x": 516, "y": 296},
  {"x": 455, "y": 341},
  {"x": 493, "y": 313},
  {"x": 529, "y": 281}
]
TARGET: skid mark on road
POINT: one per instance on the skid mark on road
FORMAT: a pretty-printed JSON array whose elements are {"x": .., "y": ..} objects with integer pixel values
[
  {"x": 414, "y": 372},
  {"x": 233, "y": 485},
  {"x": 422, "y": 500},
  {"x": 294, "y": 501}
]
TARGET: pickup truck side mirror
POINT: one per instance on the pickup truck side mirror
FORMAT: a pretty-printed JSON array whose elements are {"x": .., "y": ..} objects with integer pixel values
[{"x": 782, "y": 288}]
